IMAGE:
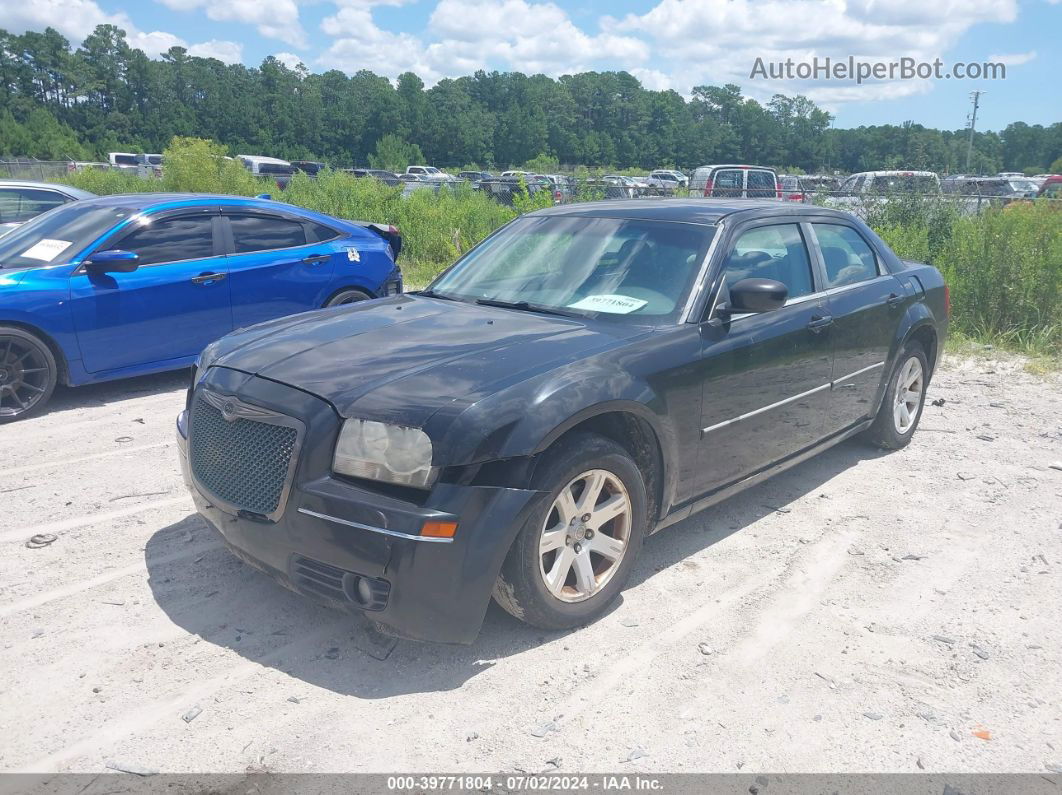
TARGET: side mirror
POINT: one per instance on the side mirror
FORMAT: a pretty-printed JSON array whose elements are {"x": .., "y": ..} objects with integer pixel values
[
  {"x": 113, "y": 260},
  {"x": 757, "y": 295}
]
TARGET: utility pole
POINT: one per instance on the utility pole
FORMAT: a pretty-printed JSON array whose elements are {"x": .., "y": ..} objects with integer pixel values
[{"x": 976, "y": 95}]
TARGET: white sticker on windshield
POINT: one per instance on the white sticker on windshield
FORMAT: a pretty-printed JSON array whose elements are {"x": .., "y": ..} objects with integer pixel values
[
  {"x": 616, "y": 304},
  {"x": 46, "y": 250}
]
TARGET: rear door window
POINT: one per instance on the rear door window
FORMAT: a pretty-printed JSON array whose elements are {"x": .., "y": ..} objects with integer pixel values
[
  {"x": 762, "y": 185},
  {"x": 728, "y": 182},
  {"x": 265, "y": 233},
  {"x": 848, "y": 258}
]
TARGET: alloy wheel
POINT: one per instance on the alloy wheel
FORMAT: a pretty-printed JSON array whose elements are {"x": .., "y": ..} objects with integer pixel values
[
  {"x": 585, "y": 535},
  {"x": 909, "y": 387},
  {"x": 23, "y": 376}
]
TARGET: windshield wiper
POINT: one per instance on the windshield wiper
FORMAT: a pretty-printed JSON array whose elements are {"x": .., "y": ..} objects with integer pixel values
[
  {"x": 433, "y": 294},
  {"x": 525, "y": 306}
]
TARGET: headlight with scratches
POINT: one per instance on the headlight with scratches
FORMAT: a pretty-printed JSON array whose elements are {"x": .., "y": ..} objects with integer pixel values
[{"x": 380, "y": 451}]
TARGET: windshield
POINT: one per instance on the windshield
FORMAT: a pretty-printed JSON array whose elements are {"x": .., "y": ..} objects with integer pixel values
[
  {"x": 1022, "y": 186},
  {"x": 607, "y": 267},
  {"x": 57, "y": 235},
  {"x": 275, "y": 168}
]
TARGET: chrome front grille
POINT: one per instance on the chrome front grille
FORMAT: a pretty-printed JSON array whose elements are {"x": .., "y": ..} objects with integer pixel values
[{"x": 242, "y": 455}]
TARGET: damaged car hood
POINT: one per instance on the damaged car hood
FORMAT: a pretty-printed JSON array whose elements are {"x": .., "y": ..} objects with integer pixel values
[{"x": 402, "y": 359}]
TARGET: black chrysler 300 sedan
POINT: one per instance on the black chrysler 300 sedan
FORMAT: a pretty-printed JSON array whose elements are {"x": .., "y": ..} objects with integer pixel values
[{"x": 585, "y": 376}]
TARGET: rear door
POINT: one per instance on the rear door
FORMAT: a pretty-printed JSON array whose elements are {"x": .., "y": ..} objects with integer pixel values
[
  {"x": 866, "y": 303},
  {"x": 761, "y": 184},
  {"x": 279, "y": 264},
  {"x": 728, "y": 182},
  {"x": 768, "y": 375},
  {"x": 168, "y": 309}
]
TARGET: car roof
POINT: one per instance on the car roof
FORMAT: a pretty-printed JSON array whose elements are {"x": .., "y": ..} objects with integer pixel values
[
  {"x": 693, "y": 210},
  {"x": 149, "y": 201},
  {"x": 77, "y": 193}
]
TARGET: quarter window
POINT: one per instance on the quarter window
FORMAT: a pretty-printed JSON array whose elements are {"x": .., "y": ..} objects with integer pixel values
[
  {"x": 265, "y": 233},
  {"x": 847, "y": 256},
  {"x": 171, "y": 240},
  {"x": 319, "y": 233},
  {"x": 771, "y": 252}
]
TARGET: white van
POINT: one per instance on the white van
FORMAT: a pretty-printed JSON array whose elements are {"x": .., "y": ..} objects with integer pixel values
[
  {"x": 123, "y": 160},
  {"x": 735, "y": 181}
]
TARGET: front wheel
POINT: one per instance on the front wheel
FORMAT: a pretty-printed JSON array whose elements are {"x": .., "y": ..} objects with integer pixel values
[
  {"x": 28, "y": 373},
  {"x": 905, "y": 395},
  {"x": 574, "y": 555}
]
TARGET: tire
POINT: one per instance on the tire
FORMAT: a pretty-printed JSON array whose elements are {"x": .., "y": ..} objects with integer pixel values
[
  {"x": 893, "y": 427},
  {"x": 28, "y": 373},
  {"x": 350, "y": 296},
  {"x": 585, "y": 582}
]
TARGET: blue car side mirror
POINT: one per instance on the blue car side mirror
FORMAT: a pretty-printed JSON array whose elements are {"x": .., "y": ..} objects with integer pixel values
[{"x": 113, "y": 260}]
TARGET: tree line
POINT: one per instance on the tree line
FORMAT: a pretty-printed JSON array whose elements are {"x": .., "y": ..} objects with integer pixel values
[{"x": 61, "y": 103}]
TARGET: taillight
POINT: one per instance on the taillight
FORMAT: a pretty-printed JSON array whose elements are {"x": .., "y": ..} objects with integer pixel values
[
  {"x": 947, "y": 302},
  {"x": 795, "y": 197},
  {"x": 557, "y": 196},
  {"x": 777, "y": 189},
  {"x": 708, "y": 188}
]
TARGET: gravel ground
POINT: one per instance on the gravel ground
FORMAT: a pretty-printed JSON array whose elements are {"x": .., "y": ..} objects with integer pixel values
[{"x": 862, "y": 612}]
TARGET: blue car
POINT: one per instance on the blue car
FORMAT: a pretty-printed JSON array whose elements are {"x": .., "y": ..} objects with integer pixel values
[{"x": 127, "y": 285}]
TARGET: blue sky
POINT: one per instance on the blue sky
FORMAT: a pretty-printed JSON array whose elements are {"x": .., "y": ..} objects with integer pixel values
[{"x": 666, "y": 43}]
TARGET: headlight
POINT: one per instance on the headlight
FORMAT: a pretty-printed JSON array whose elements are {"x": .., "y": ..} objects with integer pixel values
[
  {"x": 203, "y": 362},
  {"x": 378, "y": 451}
]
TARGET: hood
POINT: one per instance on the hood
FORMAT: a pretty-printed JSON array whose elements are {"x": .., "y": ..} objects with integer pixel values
[{"x": 402, "y": 359}]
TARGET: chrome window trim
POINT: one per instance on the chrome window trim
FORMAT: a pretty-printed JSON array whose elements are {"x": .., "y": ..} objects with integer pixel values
[
  {"x": 831, "y": 385},
  {"x": 371, "y": 529},
  {"x": 243, "y": 410}
]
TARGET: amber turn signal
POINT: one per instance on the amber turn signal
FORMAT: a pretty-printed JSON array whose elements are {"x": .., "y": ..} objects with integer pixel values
[{"x": 439, "y": 529}]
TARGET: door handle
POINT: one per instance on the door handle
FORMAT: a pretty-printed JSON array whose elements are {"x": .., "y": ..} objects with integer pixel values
[
  {"x": 819, "y": 322},
  {"x": 315, "y": 259},
  {"x": 207, "y": 278},
  {"x": 894, "y": 300}
]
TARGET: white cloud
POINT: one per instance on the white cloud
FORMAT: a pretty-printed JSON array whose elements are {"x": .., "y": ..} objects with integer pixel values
[
  {"x": 224, "y": 51},
  {"x": 1014, "y": 59},
  {"x": 289, "y": 59},
  {"x": 76, "y": 19},
  {"x": 717, "y": 42},
  {"x": 466, "y": 35},
  {"x": 275, "y": 19}
]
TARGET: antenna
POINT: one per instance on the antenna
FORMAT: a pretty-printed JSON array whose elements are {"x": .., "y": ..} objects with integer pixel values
[{"x": 976, "y": 96}]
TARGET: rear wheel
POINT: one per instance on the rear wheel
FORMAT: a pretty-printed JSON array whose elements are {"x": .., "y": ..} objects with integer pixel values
[
  {"x": 351, "y": 296},
  {"x": 905, "y": 395},
  {"x": 28, "y": 374},
  {"x": 574, "y": 555}
]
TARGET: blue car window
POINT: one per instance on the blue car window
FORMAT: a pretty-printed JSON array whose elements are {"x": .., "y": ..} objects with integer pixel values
[
  {"x": 265, "y": 233},
  {"x": 171, "y": 240},
  {"x": 319, "y": 233}
]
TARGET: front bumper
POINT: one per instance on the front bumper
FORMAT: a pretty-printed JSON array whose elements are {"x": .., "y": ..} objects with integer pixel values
[{"x": 332, "y": 534}]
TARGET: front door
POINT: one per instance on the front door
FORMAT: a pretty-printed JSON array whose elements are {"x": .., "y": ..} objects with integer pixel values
[
  {"x": 866, "y": 303},
  {"x": 768, "y": 374},
  {"x": 172, "y": 306}
]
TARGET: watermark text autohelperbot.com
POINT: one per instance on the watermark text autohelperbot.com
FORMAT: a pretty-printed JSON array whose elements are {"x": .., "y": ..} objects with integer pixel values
[{"x": 852, "y": 68}]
